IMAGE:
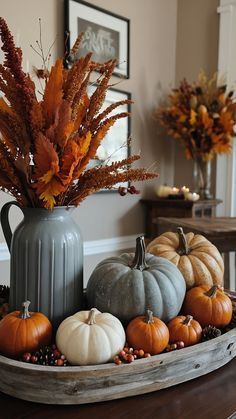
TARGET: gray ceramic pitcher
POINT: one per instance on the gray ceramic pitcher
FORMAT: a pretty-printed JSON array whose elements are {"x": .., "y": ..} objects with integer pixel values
[{"x": 46, "y": 261}]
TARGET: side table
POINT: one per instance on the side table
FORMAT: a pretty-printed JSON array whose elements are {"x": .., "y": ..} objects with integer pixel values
[{"x": 160, "y": 207}]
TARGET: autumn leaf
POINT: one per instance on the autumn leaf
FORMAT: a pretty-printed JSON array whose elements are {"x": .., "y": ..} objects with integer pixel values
[
  {"x": 53, "y": 92},
  {"x": 64, "y": 125},
  {"x": 94, "y": 144},
  {"x": 74, "y": 153},
  {"x": 48, "y": 184},
  {"x": 46, "y": 158}
]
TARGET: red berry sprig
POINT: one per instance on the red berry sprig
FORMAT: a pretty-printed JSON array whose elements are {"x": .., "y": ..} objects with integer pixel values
[
  {"x": 128, "y": 355},
  {"x": 131, "y": 189}
]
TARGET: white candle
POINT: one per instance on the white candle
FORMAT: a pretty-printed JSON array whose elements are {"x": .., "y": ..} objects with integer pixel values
[
  {"x": 174, "y": 191},
  {"x": 192, "y": 196},
  {"x": 184, "y": 189},
  {"x": 163, "y": 191}
]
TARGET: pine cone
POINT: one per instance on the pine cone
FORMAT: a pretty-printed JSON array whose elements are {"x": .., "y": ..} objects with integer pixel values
[
  {"x": 210, "y": 332},
  {"x": 232, "y": 323}
]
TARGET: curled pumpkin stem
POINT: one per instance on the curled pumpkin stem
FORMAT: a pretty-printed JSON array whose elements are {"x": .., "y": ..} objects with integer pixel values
[
  {"x": 91, "y": 317},
  {"x": 184, "y": 248},
  {"x": 187, "y": 320},
  {"x": 139, "y": 261},
  {"x": 24, "y": 313},
  {"x": 212, "y": 291},
  {"x": 149, "y": 317}
]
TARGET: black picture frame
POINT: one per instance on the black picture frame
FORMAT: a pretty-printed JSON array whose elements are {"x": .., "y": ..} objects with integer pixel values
[{"x": 107, "y": 34}]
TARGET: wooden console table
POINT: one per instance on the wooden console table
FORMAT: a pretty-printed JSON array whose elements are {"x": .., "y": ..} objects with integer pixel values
[
  {"x": 221, "y": 231},
  {"x": 210, "y": 396},
  {"x": 160, "y": 207}
]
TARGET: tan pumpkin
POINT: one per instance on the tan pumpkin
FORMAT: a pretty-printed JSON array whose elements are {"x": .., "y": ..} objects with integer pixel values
[{"x": 197, "y": 258}]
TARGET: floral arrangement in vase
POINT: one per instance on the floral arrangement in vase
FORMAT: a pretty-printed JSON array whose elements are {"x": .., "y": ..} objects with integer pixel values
[
  {"x": 46, "y": 144},
  {"x": 46, "y": 149},
  {"x": 201, "y": 116}
]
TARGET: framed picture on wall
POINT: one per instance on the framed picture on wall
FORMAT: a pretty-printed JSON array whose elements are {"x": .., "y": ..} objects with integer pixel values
[
  {"x": 115, "y": 145},
  {"x": 106, "y": 34}
]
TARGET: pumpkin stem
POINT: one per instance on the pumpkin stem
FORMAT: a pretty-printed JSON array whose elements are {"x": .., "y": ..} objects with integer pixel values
[
  {"x": 139, "y": 261},
  {"x": 91, "y": 316},
  {"x": 187, "y": 320},
  {"x": 183, "y": 245},
  {"x": 212, "y": 291},
  {"x": 24, "y": 313},
  {"x": 149, "y": 317}
]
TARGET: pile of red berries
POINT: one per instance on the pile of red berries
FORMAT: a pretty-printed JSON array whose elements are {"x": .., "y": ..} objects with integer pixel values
[
  {"x": 128, "y": 355},
  {"x": 174, "y": 346},
  {"x": 48, "y": 355}
]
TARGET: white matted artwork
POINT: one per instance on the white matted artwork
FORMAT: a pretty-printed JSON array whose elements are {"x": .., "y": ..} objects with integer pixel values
[
  {"x": 115, "y": 145},
  {"x": 106, "y": 34}
]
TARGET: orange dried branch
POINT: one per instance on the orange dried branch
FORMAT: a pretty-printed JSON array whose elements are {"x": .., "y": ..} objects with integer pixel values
[
  {"x": 46, "y": 145},
  {"x": 53, "y": 93}
]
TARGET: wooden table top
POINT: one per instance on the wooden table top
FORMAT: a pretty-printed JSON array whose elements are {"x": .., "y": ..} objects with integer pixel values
[
  {"x": 221, "y": 231},
  {"x": 210, "y": 226},
  {"x": 209, "y": 397}
]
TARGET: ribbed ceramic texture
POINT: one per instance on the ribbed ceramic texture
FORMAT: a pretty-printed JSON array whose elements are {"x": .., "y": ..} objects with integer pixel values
[{"x": 47, "y": 263}]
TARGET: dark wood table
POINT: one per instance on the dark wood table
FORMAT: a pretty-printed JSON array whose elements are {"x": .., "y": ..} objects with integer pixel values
[
  {"x": 209, "y": 397},
  {"x": 164, "y": 207},
  {"x": 221, "y": 231}
]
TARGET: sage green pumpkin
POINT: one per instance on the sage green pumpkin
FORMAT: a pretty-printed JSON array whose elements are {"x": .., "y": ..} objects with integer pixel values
[{"x": 129, "y": 284}]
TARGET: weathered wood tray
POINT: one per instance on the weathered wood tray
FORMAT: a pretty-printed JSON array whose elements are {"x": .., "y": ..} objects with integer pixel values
[{"x": 78, "y": 385}]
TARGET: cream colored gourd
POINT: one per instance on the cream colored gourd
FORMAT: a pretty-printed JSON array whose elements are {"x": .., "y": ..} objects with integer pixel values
[
  {"x": 197, "y": 258},
  {"x": 90, "y": 337}
]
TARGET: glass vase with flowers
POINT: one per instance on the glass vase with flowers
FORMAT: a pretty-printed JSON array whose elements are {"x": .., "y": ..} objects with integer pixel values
[{"x": 202, "y": 116}]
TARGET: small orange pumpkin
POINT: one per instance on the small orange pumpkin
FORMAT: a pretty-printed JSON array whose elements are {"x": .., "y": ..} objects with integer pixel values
[
  {"x": 209, "y": 305},
  {"x": 185, "y": 329},
  {"x": 149, "y": 333},
  {"x": 24, "y": 331}
]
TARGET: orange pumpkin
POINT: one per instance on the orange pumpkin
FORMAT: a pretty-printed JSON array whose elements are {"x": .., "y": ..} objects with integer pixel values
[
  {"x": 24, "y": 331},
  {"x": 185, "y": 329},
  {"x": 148, "y": 332},
  {"x": 209, "y": 305}
]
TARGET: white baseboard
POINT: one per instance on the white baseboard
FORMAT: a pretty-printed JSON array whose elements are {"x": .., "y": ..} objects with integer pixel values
[{"x": 93, "y": 247}]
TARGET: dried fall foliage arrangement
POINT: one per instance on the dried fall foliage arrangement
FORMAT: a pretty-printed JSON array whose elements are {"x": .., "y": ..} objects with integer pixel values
[
  {"x": 202, "y": 116},
  {"x": 46, "y": 145}
]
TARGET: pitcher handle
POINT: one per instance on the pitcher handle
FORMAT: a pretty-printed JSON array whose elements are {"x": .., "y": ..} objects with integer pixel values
[{"x": 4, "y": 218}]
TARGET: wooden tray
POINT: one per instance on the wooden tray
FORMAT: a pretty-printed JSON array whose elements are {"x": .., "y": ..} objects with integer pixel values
[{"x": 78, "y": 385}]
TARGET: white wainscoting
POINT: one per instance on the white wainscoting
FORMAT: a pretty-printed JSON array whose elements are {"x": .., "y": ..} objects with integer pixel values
[
  {"x": 93, "y": 247},
  {"x": 94, "y": 252}
]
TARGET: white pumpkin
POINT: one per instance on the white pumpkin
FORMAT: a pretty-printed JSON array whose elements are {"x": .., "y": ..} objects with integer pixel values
[{"x": 90, "y": 337}]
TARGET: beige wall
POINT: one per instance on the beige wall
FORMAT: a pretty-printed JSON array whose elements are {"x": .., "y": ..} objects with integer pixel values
[
  {"x": 152, "y": 71},
  {"x": 196, "y": 48}
]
